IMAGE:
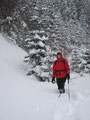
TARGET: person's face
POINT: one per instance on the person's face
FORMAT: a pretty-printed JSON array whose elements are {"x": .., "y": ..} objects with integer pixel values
[{"x": 58, "y": 56}]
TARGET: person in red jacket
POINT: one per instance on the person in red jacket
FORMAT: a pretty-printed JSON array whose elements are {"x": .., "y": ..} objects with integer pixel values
[{"x": 61, "y": 72}]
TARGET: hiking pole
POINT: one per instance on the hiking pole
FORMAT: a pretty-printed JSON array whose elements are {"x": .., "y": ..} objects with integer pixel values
[{"x": 68, "y": 90}]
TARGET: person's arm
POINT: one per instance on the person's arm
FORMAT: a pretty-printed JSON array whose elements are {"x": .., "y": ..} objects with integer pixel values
[
  {"x": 67, "y": 70},
  {"x": 54, "y": 69},
  {"x": 53, "y": 78},
  {"x": 67, "y": 67}
]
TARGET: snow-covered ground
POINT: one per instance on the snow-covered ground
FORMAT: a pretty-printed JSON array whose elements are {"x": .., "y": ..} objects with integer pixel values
[{"x": 25, "y": 98}]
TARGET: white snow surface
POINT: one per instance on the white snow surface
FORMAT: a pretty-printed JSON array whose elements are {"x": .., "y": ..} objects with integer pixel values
[{"x": 25, "y": 98}]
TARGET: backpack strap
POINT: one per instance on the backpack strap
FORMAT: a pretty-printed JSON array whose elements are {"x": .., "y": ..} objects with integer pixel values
[
  {"x": 64, "y": 61},
  {"x": 60, "y": 61},
  {"x": 56, "y": 62}
]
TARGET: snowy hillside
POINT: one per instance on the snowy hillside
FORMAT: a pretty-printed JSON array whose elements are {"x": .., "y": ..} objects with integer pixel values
[{"x": 25, "y": 98}]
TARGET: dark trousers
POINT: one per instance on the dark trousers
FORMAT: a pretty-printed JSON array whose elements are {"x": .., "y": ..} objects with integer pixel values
[{"x": 61, "y": 83}]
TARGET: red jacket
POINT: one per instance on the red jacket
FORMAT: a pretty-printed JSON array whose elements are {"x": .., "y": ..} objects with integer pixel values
[{"x": 60, "y": 68}]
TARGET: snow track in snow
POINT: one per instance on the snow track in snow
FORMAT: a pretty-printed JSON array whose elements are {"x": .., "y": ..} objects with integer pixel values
[{"x": 67, "y": 109}]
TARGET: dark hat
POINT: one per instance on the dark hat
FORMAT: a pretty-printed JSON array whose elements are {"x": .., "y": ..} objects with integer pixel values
[{"x": 59, "y": 53}]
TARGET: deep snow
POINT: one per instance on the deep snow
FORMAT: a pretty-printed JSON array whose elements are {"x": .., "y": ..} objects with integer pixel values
[{"x": 25, "y": 98}]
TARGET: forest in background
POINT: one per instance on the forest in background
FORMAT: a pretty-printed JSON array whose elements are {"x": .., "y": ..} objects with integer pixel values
[{"x": 44, "y": 27}]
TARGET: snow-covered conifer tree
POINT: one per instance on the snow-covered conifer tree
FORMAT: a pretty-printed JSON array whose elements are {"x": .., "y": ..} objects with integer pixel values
[{"x": 38, "y": 51}]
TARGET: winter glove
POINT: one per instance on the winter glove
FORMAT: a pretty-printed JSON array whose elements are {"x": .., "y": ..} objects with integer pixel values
[
  {"x": 68, "y": 76},
  {"x": 53, "y": 80}
]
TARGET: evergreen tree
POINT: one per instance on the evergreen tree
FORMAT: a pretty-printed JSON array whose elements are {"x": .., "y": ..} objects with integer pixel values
[
  {"x": 80, "y": 61},
  {"x": 38, "y": 53}
]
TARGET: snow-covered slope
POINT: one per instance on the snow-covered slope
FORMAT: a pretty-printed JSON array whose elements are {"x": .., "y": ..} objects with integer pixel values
[{"x": 24, "y": 98}]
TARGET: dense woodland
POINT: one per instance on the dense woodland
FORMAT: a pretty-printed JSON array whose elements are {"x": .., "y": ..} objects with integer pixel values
[{"x": 44, "y": 27}]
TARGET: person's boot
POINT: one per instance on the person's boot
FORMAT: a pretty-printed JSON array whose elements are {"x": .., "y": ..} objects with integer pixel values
[
  {"x": 60, "y": 91},
  {"x": 63, "y": 90}
]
